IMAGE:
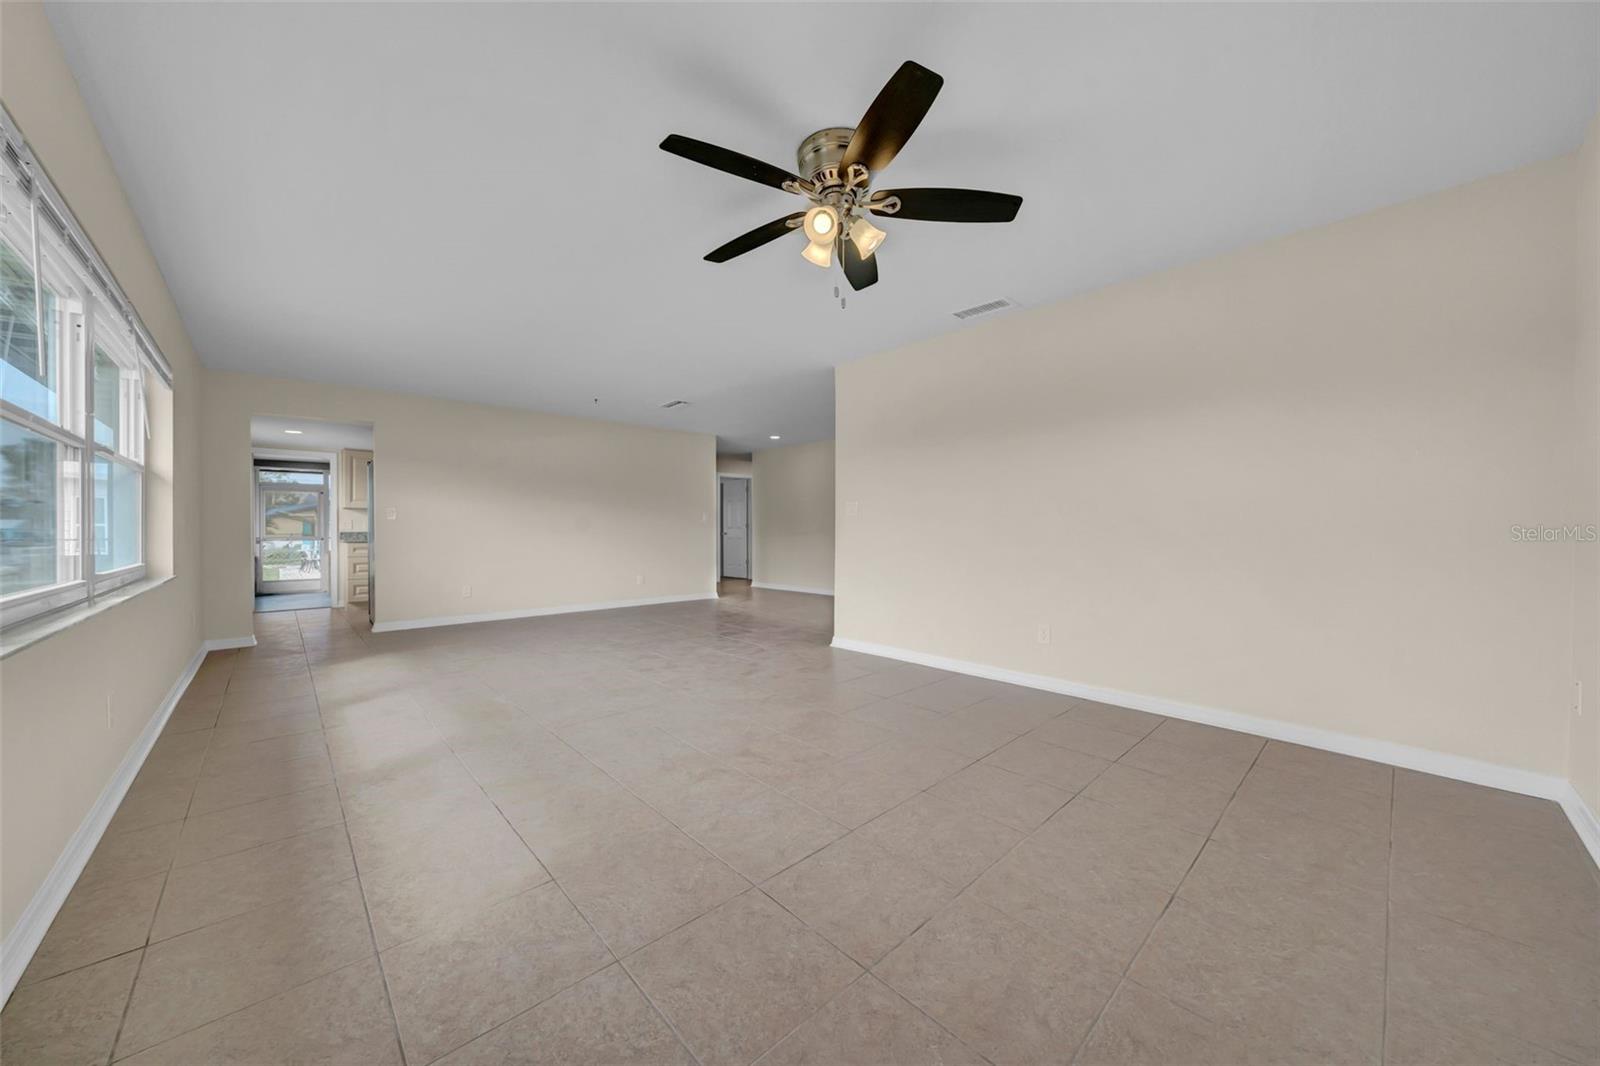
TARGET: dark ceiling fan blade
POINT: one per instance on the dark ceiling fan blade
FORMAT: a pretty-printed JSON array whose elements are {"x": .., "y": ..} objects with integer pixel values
[
  {"x": 749, "y": 242},
  {"x": 858, "y": 272},
  {"x": 728, "y": 161},
  {"x": 892, "y": 118},
  {"x": 950, "y": 205}
]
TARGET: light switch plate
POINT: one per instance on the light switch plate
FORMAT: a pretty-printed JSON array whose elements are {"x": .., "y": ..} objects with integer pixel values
[{"x": 388, "y": 512}]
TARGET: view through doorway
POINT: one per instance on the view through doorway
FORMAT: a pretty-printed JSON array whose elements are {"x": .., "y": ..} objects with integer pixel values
[
  {"x": 311, "y": 520},
  {"x": 292, "y": 552}
]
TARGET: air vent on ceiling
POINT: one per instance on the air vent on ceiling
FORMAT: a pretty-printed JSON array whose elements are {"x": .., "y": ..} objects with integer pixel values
[
  {"x": 979, "y": 310},
  {"x": 676, "y": 403}
]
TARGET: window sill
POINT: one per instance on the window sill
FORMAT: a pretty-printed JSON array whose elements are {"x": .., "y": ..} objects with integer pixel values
[{"x": 27, "y": 634}]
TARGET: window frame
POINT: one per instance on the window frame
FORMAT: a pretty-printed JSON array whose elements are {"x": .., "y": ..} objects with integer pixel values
[
  {"x": 86, "y": 296},
  {"x": 31, "y": 603},
  {"x": 70, "y": 300},
  {"x": 100, "y": 583}
]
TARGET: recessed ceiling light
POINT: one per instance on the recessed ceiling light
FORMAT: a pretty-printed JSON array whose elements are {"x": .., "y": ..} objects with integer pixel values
[
  {"x": 774, "y": 437},
  {"x": 294, "y": 432}
]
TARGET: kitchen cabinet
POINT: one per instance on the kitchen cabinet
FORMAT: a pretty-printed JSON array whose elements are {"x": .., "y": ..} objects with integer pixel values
[
  {"x": 353, "y": 478},
  {"x": 357, "y": 567}
]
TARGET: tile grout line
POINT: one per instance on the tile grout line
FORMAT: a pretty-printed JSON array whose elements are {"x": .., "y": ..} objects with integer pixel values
[
  {"x": 870, "y": 969},
  {"x": 372, "y": 936},
  {"x": 1423, "y": 908},
  {"x": 127, "y": 1007},
  {"x": 866, "y": 974},
  {"x": 721, "y": 762},
  {"x": 616, "y": 960},
  {"x": 866, "y": 971},
  {"x": 174, "y": 867},
  {"x": 166, "y": 879},
  {"x": 670, "y": 1024},
  {"x": 964, "y": 889},
  {"x": 1233, "y": 798},
  {"x": 622, "y": 785},
  {"x": 750, "y": 884},
  {"x": 240, "y": 1010},
  {"x": 1150, "y": 932},
  {"x": 248, "y": 1006}
]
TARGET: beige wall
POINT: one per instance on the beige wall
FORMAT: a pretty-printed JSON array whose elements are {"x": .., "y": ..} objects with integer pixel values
[
  {"x": 532, "y": 511},
  {"x": 733, "y": 464},
  {"x": 792, "y": 516},
  {"x": 1584, "y": 768},
  {"x": 1278, "y": 483},
  {"x": 60, "y": 744}
]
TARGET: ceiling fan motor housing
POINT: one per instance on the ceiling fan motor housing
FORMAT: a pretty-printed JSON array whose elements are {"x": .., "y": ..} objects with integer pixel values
[{"x": 820, "y": 153}]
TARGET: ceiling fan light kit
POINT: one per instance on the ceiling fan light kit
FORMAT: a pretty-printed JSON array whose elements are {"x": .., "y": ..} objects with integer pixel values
[
  {"x": 866, "y": 237},
  {"x": 819, "y": 253},
  {"x": 836, "y": 167}
]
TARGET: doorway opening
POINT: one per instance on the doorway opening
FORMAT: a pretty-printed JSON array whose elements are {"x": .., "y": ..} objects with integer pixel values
[
  {"x": 291, "y": 527},
  {"x": 733, "y": 539},
  {"x": 311, "y": 514}
]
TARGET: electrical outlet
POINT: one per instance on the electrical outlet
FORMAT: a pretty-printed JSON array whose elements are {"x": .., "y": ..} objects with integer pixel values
[
  {"x": 1042, "y": 634},
  {"x": 389, "y": 513},
  {"x": 638, "y": 579},
  {"x": 852, "y": 507},
  {"x": 466, "y": 592}
]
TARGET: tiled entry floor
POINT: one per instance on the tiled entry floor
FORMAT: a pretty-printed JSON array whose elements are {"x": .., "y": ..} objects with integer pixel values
[
  {"x": 291, "y": 601},
  {"x": 693, "y": 832}
]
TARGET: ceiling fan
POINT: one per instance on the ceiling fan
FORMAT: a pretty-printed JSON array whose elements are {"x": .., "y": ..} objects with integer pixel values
[{"x": 838, "y": 164}]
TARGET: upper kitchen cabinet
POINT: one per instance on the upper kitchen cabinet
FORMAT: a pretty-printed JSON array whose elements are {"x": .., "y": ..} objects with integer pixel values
[{"x": 353, "y": 478}]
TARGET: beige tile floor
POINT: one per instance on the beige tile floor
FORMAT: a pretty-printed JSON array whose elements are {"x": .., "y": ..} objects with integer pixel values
[{"x": 694, "y": 833}]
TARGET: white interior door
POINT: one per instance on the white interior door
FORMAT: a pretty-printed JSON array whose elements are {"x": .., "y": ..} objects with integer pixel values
[{"x": 736, "y": 527}]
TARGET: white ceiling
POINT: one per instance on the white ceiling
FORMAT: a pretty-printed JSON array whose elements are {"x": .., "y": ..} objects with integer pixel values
[
  {"x": 468, "y": 201},
  {"x": 314, "y": 436}
]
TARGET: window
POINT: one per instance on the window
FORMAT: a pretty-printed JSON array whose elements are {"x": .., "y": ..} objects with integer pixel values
[
  {"x": 75, "y": 369},
  {"x": 30, "y": 370}
]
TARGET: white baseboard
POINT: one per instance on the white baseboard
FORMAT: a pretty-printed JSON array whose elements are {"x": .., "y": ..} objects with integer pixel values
[
  {"x": 225, "y": 643},
  {"x": 1459, "y": 767},
  {"x": 23, "y": 938},
  {"x": 532, "y": 612},
  {"x": 1583, "y": 819},
  {"x": 791, "y": 588}
]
